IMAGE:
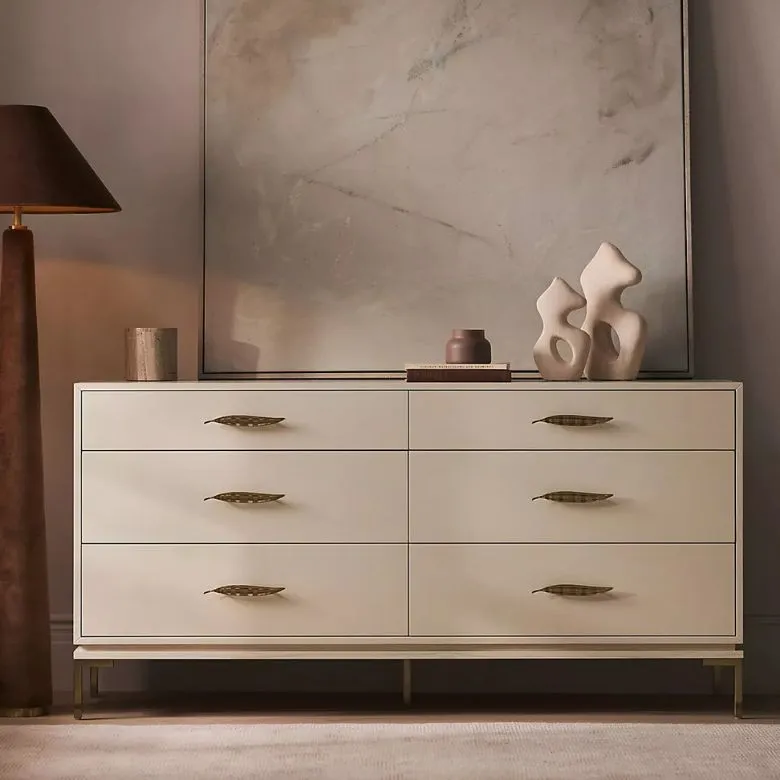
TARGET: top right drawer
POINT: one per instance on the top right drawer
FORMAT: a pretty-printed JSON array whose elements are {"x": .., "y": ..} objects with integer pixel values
[{"x": 517, "y": 419}]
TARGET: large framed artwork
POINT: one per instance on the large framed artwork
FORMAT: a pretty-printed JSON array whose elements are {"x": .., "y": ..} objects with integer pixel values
[{"x": 380, "y": 172}]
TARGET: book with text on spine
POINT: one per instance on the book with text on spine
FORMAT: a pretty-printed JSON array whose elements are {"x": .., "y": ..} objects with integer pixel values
[
  {"x": 458, "y": 366},
  {"x": 458, "y": 372}
]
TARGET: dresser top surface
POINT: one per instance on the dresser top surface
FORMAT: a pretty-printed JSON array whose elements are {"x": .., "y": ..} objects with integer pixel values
[{"x": 659, "y": 385}]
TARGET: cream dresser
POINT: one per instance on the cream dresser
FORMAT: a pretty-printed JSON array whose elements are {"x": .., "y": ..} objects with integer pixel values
[{"x": 407, "y": 521}]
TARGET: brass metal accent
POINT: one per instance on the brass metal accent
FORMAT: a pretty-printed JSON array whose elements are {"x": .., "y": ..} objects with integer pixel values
[
  {"x": 94, "y": 676},
  {"x": 574, "y": 590},
  {"x": 717, "y": 665},
  {"x": 574, "y": 497},
  {"x": 22, "y": 712},
  {"x": 717, "y": 678},
  {"x": 246, "y": 421},
  {"x": 738, "y": 692},
  {"x": 245, "y": 590},
  {"x": 94, "y": 667},
  {"x": 78, "y": 690},
  {"x": 407, "y": 681},
  {"x": 573, "y": 420},
  {"x": 17, "y": 223},
  {"x": 238, "y": 497}
]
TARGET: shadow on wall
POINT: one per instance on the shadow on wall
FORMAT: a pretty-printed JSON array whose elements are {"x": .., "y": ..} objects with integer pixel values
[
  {"x": 83, "y": 308},
  {"x": 736, "y": 273},
  {"x": 123, "y": 80},
  {"x": 718, "y": 324}
]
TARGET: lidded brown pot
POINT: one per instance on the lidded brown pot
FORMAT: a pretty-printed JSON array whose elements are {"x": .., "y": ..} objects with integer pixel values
[{"x": 468, "y": 345}]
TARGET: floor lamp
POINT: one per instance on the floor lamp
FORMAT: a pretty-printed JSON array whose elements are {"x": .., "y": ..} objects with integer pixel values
[{"x": 41, "y": 172}]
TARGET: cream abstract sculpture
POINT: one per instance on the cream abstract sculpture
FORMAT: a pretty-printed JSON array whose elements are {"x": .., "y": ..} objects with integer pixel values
[
  {"x": 603, "y": 282},
  {"x": 555, "y": 305}
]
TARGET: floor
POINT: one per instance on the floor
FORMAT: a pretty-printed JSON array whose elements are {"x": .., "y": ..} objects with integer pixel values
[
  {"x": 509, "y": 749},
  {"x": 126, "y": 710}
]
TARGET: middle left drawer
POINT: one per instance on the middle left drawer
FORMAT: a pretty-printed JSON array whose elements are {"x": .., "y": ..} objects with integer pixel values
[{"x": 328, "y": 497}]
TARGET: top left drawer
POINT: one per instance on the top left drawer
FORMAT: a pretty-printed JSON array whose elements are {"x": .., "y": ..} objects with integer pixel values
[{"x": 179, "y": 420}]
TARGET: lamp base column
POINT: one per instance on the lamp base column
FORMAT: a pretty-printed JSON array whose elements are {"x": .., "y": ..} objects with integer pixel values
[{"x": 25, "y": 644}]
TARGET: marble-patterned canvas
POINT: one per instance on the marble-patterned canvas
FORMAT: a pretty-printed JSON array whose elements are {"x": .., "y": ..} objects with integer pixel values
[{"x": 379, "y": 172}]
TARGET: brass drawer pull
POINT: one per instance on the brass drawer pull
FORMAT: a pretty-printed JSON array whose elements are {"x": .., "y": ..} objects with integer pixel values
[
  {"x": 238, "y": 497},
  {"x": 573, "y": 497},
  {"x": 245, "y": 421},
  {"x": 574, "y": 590},
  {"x": 573, "y": 420},
  {"x": 245, "y": 590}
]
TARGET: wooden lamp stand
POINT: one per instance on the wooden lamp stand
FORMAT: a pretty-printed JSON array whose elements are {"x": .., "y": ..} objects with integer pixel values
[
  {"x": 41, "y": 172},
  {"x": 25, "y": 650}
]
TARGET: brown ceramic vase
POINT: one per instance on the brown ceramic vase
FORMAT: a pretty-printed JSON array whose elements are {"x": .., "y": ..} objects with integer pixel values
[{"x": 468, "y": 345}]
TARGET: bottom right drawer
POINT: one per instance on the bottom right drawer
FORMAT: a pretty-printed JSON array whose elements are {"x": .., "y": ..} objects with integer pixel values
[{"x": 675, "y": 591}]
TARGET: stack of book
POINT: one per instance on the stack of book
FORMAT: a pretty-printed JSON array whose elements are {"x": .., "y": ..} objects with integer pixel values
[{"x": 458, "y": 372}]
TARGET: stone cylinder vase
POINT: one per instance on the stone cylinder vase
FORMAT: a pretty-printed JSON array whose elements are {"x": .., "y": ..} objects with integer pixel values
[{"x": 151, "y": 354}]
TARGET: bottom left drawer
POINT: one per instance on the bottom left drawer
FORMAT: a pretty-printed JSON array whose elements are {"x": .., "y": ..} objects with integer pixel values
[{"x": 159, "y": 590}]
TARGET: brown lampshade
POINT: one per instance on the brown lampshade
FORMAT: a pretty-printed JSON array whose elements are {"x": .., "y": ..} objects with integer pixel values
[{"x": 42, "y": 171}]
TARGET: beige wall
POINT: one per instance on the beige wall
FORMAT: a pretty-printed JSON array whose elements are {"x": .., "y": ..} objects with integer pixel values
[{"x": 123, "y": 78}]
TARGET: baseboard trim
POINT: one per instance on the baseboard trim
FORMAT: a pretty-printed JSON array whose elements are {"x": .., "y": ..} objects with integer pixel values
[
  {"x": 762, "y": 620},
  {"x": 61, "y": 628},
  {"x": 62, "y": 624}
]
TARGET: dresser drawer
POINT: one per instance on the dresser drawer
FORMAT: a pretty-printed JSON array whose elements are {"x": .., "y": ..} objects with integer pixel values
[
  {"x": 178, "y": 420},
  {"x": 507, "y": 419},
  {"x": 158, "y": 590},
  {"x": 327, "y": 496},
  {"x": 487, "y": 496},
  {"x": 672, "y": 591}
]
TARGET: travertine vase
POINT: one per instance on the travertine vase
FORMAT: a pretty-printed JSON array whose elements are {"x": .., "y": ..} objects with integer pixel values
[
  {"x": 603, "y": 281},
  {"x": 555, "y": 305}
]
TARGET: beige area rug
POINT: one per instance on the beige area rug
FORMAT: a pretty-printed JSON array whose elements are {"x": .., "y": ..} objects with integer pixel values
[{"x": 370, "y": 751}]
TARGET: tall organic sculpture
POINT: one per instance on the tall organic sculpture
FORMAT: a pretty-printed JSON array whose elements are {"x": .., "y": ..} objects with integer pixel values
[
  {"x": 555, "y": 305},
  {"x": 603, "y": 281}
]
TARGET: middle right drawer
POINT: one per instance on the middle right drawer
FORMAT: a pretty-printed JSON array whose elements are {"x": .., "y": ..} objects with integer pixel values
[{"x": 481, "y": 496}]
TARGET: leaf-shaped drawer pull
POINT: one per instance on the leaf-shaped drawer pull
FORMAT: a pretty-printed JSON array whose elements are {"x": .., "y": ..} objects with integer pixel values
[
  {"x": 238, "y": 497},
  {"x": 573, "y": 497},
  {"x": 246, "y": 421},
  {"x": 574, "y": 420},
  {"x": 568, "y": 589},
  {"x": 245, "y": 590}
]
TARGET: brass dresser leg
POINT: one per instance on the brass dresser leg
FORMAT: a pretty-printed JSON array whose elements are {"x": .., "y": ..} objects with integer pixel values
[
  {"x": 22, "y": 712},
  {"x": 78, "y": 690},
  {"x": 94, "y": 681},
  {"x": 717, "y": 665},
  {"x": 717, "y": 679},
  {"x": 738, "y": 694}
]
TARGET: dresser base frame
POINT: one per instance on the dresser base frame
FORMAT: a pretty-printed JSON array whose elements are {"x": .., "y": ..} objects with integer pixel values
[
  {"x": 718, "y": 664},
  {"x": 94, "y": 659}
]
